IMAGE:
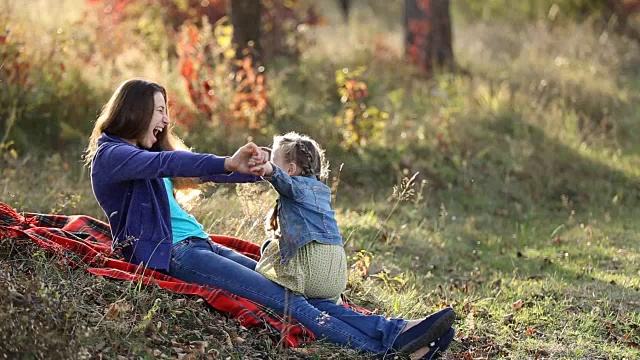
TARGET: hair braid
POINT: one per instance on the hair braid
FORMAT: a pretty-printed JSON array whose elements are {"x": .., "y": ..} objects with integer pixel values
[
  {"x": 307, "y": 166},
  {"x": 273, "y": 226},
  {"x": 304, "y": 152}
]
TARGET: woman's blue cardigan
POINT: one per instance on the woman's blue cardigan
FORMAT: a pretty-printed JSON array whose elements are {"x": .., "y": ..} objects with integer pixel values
[{"x": 127, "y": 182}]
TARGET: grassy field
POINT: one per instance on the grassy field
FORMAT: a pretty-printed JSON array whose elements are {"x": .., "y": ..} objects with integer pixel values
[{"x": 511, "y": 195}]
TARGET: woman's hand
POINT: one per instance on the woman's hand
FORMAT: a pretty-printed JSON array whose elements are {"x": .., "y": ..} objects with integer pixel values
[{"x": 248, "y": 159}]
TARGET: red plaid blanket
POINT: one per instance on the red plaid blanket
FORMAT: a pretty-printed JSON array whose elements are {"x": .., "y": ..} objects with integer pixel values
[{"x": 85, "y": 242}]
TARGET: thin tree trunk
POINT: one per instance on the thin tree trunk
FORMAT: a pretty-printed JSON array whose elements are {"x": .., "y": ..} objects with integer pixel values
[
  {"x": 250, "y": 99},
  {"x": 245, "y": 18},
  {"x": 428, "y": 38},
  {"x": 623, "y": 10},
  {"x": 345, "y": 6}
]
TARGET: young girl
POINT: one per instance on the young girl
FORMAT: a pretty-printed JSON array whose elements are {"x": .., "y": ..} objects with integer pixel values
[{"x": 305, "y": 253}]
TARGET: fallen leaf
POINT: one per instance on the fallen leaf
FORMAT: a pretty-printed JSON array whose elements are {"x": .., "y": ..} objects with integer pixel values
[
  {"x": 468, "y": 307},
  {"x": 113, "y": 311},
  {"x": 572, "y": 309},
  {"x": 633, "y": 344},
  {"x": 508, "y": 318},
  {"x": 200, "y": 346},
  {"x": 306, "y": 350},
  {"x": 518, "y": 304},
  {"x": 609, "y": 325},
  {"x": 227, "y": 339},
  {"x": 541, "y": 352},
  {"x": 213, "y": 354}
]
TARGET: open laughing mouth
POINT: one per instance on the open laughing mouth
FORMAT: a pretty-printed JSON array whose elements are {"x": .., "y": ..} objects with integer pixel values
[{"x": 157, "y": 131}]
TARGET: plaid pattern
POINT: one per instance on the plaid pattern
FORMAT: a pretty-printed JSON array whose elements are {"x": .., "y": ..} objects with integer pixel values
[{"x": 85, "y": 242}]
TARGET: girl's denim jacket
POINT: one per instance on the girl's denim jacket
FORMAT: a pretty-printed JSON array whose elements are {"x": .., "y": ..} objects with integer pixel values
[{"x": 304, "y": 212}]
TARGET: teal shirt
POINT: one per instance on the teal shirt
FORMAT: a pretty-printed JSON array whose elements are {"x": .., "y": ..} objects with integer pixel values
[{"x": 183, "y": 224}]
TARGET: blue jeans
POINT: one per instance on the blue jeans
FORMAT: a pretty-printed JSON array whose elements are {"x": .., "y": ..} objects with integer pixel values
[{"x": 201, "y": 261}]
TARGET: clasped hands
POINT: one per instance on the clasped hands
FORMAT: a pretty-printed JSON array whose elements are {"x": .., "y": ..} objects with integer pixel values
[{"x": 249, "y": 159}]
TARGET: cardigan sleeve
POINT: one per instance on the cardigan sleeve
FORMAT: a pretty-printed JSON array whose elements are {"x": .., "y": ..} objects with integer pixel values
[{"x": 122, "y": 162}]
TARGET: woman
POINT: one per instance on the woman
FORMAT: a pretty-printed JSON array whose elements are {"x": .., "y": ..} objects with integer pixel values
[{"x": 136, "y": 162}]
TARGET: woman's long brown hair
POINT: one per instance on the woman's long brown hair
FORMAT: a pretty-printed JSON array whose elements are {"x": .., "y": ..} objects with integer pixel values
[{"x": 128, "y": 115}]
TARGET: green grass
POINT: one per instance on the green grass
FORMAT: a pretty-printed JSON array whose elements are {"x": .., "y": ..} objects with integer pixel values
[
  {"x": 522, "y": 213},
  {"x": 550, "y": 282}
]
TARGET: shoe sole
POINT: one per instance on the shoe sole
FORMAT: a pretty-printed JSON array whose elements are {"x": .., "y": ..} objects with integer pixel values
[
  {"x": 439, "y": 328},
  {"x": 441, "y": 346}
]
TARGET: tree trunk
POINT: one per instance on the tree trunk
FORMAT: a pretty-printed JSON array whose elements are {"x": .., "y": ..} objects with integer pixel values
[
  {"x": 428, "y": 39},
  {"x": 250, "y": 97},
  {"x": 245, "y": 18},
  {"x": 345, "y": 6},
  {"x": 623, "y": 10}
]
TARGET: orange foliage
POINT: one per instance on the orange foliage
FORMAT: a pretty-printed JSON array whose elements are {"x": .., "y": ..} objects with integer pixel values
[
  {"x": 250, "y": 99},
  {"x": 203, "y": 59}
]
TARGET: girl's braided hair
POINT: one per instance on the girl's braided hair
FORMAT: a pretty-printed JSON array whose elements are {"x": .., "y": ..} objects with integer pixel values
[
  {"x": 308, "y": 157},
  {"x": 304, "y": 152}
]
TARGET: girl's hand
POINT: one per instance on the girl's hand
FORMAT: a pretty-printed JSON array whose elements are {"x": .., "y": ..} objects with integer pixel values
[
  {"x": 260, "y": 157},
  {"x": 240, "y": 161},
  {"x": 265, "y": 169}
]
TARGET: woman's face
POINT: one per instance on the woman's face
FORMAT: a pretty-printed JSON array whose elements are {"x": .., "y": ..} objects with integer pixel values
[{"x": 158, "y": 124}]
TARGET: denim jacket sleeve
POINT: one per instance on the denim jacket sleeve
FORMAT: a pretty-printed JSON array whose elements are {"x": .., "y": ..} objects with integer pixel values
[
  {"x": 121, "y": 162},
  {"x": 283, "y": 183}
]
